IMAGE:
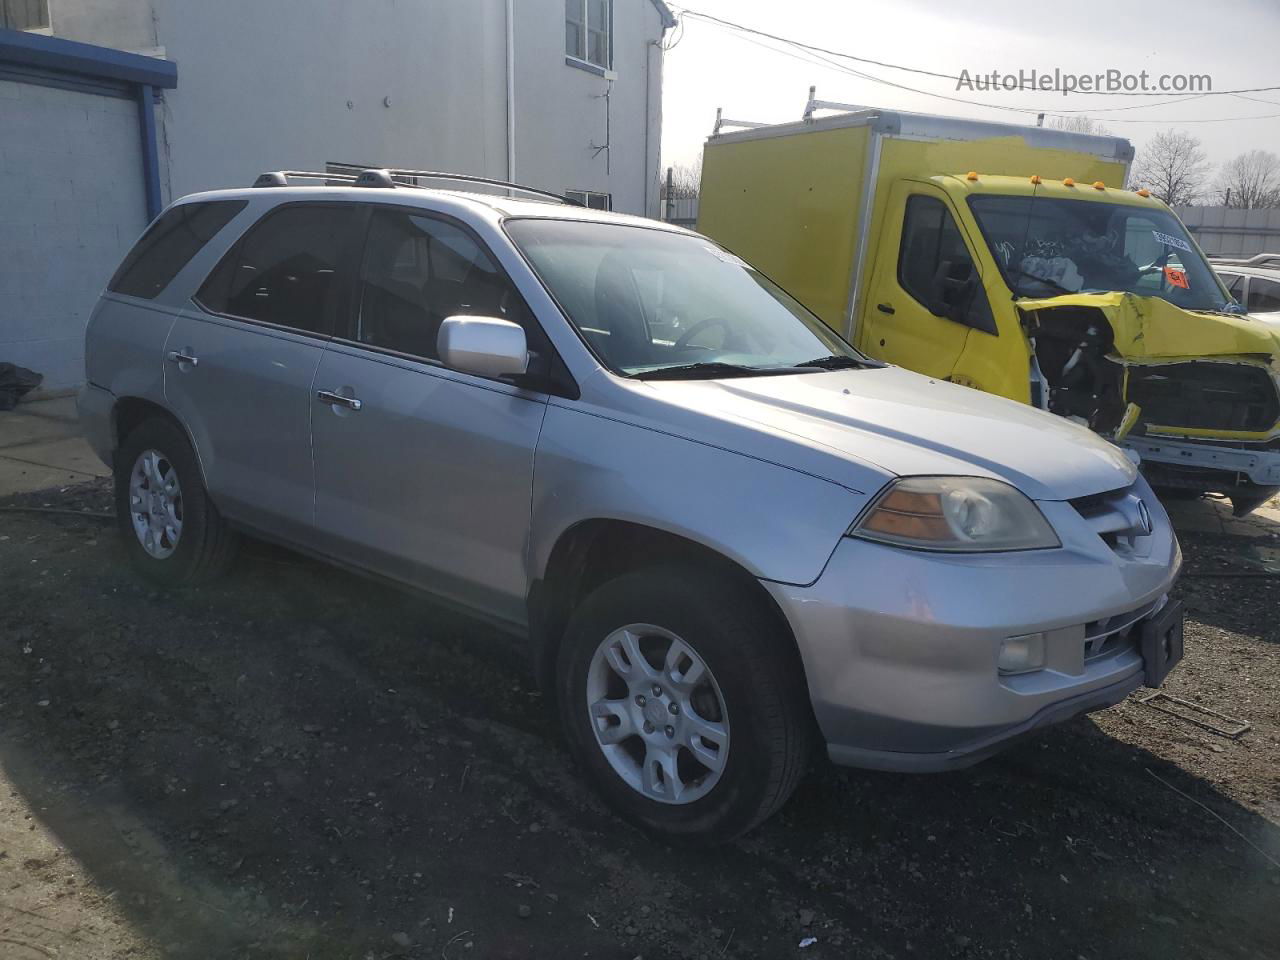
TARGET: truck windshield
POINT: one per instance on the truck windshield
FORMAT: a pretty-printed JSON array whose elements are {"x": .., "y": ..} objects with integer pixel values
[
  {"x": 1047, "y": 246},
  {"x": 655, "y": 303}
]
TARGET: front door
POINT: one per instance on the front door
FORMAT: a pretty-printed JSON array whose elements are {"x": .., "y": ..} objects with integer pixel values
[
  {"x": 423, "y": 473},
  {"x": 241, "y": 360},
  {"x": 922, "y": 246}
]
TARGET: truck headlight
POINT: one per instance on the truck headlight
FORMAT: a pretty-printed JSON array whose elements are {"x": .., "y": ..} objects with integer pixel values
[{"x": 955, "y": 514}]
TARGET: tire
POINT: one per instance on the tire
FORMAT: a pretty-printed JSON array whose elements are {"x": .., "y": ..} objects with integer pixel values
[
  {"x": 204, "y": 545},
  {"x": 764, "y": 714}
]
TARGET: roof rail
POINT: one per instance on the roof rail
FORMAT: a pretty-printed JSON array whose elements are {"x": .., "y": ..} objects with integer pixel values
[
  {"x": 395, "y": 177},
  {"x": 396, "y": 172},
  {"x": 722, "y": 121},
  {"x": 813, "y": 103},
  {"x": 281, "y": 178}
]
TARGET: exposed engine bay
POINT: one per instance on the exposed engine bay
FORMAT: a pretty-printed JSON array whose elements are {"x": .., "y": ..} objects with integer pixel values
[
  {"x": 1078, "y": 372},
  {"x": 1083, "y": 377}
]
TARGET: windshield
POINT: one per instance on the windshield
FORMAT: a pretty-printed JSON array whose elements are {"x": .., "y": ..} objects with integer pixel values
[
  {"x": 1047, "y": 246},
  {"x": 650, "y": 300}
]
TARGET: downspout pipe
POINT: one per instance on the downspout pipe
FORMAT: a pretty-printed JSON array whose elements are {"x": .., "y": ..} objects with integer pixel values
[
  {"x": 511, "y": 91},
  {"x": 150, "y": 149}
]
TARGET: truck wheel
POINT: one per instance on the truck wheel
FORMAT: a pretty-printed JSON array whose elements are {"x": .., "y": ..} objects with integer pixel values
[
  {"x": 173, "y": 534},
  {"x": 683, "y": 703},
  {"x": 1246, "y": 500}
]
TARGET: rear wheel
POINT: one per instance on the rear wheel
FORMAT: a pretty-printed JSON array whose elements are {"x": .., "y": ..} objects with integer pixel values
[
  {"x": 684, "y": 703},
  {"x": 172, "y": 531}
]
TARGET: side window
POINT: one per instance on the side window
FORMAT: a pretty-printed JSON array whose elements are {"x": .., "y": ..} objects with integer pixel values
[
  {"x": 588, "y": 31},
  {"x": 419, "y": 271},
  {"x": 1234, "y": 283},
  {"x": 1264, "y": 296},
  {"x": 284, "y": 270},
  {"x": 933, "y": 252},
  {"x": 169, "y": 244}
]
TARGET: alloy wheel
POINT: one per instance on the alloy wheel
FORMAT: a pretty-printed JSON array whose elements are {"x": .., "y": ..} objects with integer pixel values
[
  {"x": 658, "y": 714},
  {"x": 155, "y": 504}
]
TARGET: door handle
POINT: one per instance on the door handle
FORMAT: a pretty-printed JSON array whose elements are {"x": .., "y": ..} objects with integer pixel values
[
  {"x": 884, "y": 307},
  {"x": 338, "y": 400},
  {"x": 179, "y": 357}
]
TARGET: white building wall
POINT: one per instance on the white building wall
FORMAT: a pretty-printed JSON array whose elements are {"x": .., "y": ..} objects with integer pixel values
[
  {"x": 292, "y": 84},
  {"x": 561, "y": 114},
  {"x": 73, "y": 204}
]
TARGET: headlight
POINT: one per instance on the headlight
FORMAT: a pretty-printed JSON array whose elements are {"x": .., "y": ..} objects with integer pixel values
[{"x": 957, "y": 514}]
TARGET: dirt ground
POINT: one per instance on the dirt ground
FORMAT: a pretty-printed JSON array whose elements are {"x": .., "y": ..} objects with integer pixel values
[{"x": 299, "y": 763}]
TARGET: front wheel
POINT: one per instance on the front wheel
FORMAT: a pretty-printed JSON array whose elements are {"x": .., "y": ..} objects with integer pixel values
[
  {"x": 172, "y": 531},
  {"x": 684, "y": 702}
]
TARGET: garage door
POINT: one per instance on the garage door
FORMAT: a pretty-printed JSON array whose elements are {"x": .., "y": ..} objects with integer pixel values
[{"x": 71, "y": 204}]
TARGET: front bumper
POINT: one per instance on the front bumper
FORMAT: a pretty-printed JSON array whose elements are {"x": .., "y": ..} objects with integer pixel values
[
  {"x": 900, "y": 646},
  {"x": 1261, "y": 466}
]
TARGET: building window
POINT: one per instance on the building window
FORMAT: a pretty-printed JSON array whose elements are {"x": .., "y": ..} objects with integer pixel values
[
  {"x": 588, "y": 32},
  {"x": 24, "y": 14},
  {"x": 590, "y": 198}
]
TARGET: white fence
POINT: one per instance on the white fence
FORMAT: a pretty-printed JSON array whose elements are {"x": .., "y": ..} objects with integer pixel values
[{"x": 1232, "y": 232}]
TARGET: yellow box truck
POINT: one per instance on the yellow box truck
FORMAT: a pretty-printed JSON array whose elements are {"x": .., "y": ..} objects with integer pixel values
[{"x": 1013, "y": 260}]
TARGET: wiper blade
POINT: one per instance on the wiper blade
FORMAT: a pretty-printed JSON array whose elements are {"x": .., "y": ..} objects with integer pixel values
[
  {"x": 705, "y": 371},
  {"x": 1045, "y": 280},
  {"x": 834, "y": 362}
]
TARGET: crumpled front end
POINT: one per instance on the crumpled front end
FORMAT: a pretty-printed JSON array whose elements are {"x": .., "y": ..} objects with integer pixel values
[{"x": 1197, "y": 395}]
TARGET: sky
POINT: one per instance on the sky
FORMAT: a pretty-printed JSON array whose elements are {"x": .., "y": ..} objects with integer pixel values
[{"x": 1235, "y": 42}]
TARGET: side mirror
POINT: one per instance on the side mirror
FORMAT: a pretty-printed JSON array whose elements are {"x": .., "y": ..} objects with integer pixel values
[
  {"x": 953, "y": 286},
  {"x": 485, "y": 346}
]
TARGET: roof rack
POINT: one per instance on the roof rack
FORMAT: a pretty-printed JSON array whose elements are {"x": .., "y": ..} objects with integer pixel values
[{"x": 383, "y": 177}]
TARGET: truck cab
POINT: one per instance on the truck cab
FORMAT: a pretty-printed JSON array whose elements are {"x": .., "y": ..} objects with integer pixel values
[{"x": 1012, "y": 260}]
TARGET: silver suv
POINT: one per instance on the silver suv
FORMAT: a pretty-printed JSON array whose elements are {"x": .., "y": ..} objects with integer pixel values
[{"x": 723, "y": 533}]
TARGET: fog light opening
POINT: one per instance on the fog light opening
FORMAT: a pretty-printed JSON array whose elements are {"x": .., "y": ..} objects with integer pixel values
[{"x": 1021, "y": 654}]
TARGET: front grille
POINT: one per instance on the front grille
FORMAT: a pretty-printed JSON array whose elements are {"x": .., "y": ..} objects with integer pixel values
[
  {"x": 1118, "y": 517},
  {"x": 1204, "y": 395},
  {"x": 1103, "y": 637}
]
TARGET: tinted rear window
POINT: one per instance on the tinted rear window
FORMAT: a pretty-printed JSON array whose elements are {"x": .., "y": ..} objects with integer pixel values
[
  {"x": 169, "y": 244},
  {"x": 284, "y": 270}
]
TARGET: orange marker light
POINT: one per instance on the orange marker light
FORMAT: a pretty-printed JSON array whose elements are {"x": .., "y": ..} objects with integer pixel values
[
  {"x": 1035, "y": 178},
  {"x": 1099, "y": 185},
  {"x": 971, "y": 175},
  {"x": 1144, "y": 192},
  {"x": 1068, "y": 182}
]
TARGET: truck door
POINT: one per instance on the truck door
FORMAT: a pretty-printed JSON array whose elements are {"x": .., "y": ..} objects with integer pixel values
[{"x": 925, "y": 293}]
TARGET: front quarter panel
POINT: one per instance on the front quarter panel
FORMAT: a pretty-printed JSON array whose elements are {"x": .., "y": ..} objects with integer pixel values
[{"x": 777, "y": 523}]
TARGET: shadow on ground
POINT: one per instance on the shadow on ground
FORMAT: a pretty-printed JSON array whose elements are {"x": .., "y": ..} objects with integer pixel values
[{"x": 296, "y": 762}]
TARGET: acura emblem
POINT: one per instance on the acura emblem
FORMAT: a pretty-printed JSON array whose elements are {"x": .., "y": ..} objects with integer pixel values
[{"x": 1144, "y": 517}]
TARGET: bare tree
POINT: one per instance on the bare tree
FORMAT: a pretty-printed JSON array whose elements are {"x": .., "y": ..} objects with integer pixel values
[
  {"x": 1078, "y": 124},
  {"x": 686, "y": 179},
  {"x": 1250, "y": 180},
  {"x": 1173, "y": 166}
]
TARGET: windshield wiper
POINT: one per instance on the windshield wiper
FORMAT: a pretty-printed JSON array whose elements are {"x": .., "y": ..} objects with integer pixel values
[
  {"x": 834, "y": 362},
  {"x": 707, "y": 370},
  {"x": 1045, "y": 280}
]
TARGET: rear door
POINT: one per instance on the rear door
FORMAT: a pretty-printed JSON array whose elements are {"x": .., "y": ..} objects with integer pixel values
[
  {"x": 920, "y": 238},
  {"x": 241, "y": 360},
  {"x": 424, "y": 473}
]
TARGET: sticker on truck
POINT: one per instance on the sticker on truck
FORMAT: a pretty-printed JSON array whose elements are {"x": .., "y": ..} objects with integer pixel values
[{"x": 1169, "y": 241}]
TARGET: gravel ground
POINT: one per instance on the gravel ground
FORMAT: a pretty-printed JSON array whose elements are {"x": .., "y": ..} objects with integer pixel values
[{"x": 299, "y": 763}]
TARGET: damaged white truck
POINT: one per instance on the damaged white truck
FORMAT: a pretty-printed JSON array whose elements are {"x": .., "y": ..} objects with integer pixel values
[{"x": 1013, "y": 260}]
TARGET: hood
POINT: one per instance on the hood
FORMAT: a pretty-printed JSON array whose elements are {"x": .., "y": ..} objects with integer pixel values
[
  {"x": 910, "y": 425},
  {"x": 1149, "y": 327}
]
